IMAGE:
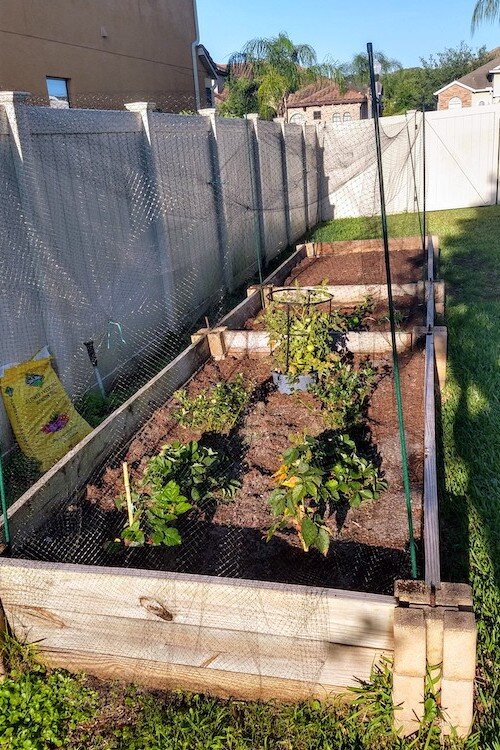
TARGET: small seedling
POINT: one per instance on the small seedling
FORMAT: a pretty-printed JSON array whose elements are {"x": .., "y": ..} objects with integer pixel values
[
  {"x": 344, "y": 391},
  {"x": 213, "y": 410}
]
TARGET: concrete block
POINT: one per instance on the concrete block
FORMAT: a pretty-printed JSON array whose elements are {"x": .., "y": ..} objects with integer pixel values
[
  {"x": 459, "y": 645},
  {"x": 457, "y": 703},
  {"x": 434, "y": 626},
  {"x": 195, "y": 337},
  {"x": 216, "y": 342},
  {"x": 412, "y": 592},
  {"x": 408, "y": 702},
  {"x": 409, "y": 642},
  {"x": 457, "y": 595}
]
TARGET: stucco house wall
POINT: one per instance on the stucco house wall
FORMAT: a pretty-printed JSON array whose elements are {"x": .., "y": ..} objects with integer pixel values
[
  {"x": 357, "y": 111},
  {"x": 110, "y": 50}
]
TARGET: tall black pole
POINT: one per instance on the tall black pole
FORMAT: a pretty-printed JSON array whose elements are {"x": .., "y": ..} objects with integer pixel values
[
  {"x": 424, "y": 177},
  {"x": 397, "y": 382}
]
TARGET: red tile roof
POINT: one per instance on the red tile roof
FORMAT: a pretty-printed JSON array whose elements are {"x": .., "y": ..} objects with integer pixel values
[{"x": 321, "y": 93}]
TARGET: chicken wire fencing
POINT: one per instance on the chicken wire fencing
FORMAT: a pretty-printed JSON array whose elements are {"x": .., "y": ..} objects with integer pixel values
[{"x": 126, "y": 232}]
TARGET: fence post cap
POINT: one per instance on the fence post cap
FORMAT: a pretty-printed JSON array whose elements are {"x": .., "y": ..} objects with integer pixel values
[
  {"x": 140, "y": 106},
  {"x": 207, "y": 111},
  {"x": 14, "y": 97}
]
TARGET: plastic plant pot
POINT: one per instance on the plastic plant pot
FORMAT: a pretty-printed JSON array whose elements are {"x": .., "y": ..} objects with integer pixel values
[{"x": 288, "y": 384}]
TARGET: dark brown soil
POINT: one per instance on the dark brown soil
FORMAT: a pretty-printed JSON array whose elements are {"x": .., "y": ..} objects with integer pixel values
[
  {"x": 369, "y": 544},
  {"x": 359, "y": 268}
]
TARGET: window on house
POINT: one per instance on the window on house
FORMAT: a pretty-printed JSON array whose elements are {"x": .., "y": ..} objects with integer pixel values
[
  {"x": 209, "y": 92},
  {"x": 336, "y": 117},
  {"x": 347, "y": 116},
  {"x": 481, "y": 103},
  {"x": 58, "y": 91},
  {"x": 298, "y": 117},
  {"x": 317, "y": 114},
  {"x": 455, "y": 103}
]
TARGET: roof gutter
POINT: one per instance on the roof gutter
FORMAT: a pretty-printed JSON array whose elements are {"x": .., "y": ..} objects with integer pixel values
[{"x": 194, "y": 54}]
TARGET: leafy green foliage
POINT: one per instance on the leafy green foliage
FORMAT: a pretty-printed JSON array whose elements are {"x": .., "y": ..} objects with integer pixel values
[
  {"x": 94, "y": 408},
  {"x": 39, "y": 709},
  {"x": 180, "y": 476},
  {"x": 308, "y": 338},
  {"x": 241, "y": 97},
  {"x": 315, "y": 476},
  {"x": 406, "y": 88},
  {"x": 344, "y": 391},
  {"x": 216, "y": 409},
  {"x": 276, "y": 67},
  {"x": 154, "y": 513},
  {"x": 199, "y": 472}
]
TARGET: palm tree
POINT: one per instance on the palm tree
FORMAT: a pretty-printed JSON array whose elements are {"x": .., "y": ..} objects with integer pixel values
[
  {"x": 358, "y": 70},
  {"x": 485, "y": 10},
  {"x": 279, "y": 67}
]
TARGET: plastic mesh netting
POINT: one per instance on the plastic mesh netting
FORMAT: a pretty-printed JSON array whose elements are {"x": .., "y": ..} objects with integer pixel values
[{"x": 133, "y": 230}]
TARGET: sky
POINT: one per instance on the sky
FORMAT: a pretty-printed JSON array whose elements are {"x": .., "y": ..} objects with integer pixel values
[{"x": 404, "y": 29}]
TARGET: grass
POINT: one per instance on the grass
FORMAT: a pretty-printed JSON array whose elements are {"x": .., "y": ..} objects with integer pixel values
[
  {"x": 86, "y": 715},
  {"x": 470, "y": 419}
]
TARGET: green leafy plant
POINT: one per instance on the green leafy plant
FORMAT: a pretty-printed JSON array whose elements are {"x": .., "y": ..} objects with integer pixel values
[
  {"x": 39, "y": 709},
  {"x": 199, "y": 471},
  {"x": 315, "y": 476},
  {"x": 305, "y": 339},
  {"x": 344, "y": 391},
  {"x": 154, "y": 514},
  {"x": 180, "y": 476},
  {"x": 216, "y": 409},
  {"x": 400, "y": 318},
  {"x": 302, "y": 339}
]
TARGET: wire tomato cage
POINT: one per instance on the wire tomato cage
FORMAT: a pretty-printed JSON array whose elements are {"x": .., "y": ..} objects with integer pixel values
[{"x": 303, "y": 298}]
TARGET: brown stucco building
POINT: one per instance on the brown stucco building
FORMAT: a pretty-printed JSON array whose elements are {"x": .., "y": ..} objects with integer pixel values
[{"x": 103, "y": 53}]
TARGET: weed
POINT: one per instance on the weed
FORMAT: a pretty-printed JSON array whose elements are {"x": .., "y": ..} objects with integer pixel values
[{"x": 217, "y": 409}]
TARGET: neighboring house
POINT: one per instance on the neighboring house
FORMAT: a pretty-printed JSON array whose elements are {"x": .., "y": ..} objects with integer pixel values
[
  {"x": 324, "y": 102},
  {"x": 477, "y": 88},
  {"x": 103, "y": 54}
]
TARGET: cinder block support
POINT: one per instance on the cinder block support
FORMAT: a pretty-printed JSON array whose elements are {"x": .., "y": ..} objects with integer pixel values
[
  {"x": 459, "y": 667},
  {"x": 409, "y": 669},
  {"x": 265, "y": 291},
  {"x": 217, "y": 343},
  {"x": 434, "y": 630}
]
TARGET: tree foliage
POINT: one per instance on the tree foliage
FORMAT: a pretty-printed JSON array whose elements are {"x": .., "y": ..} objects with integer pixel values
[
  {"x": 408, "y": 88},
  {"x": 358, "y": 72},
  {"x": 485, "y": 10},
  {"x": 266, "y": 71}
]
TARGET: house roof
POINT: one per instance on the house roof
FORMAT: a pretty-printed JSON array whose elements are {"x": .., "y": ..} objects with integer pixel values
[
  {"x": 210, "y": 66},
  {"x": 477, "y": 80},
  {"x": 322, "y": 92}
]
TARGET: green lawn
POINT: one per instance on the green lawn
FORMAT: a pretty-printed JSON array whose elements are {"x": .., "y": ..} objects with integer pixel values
[{"x": 79, "y": 714}]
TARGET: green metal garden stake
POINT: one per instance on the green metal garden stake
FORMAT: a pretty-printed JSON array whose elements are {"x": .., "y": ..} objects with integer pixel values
[{"x": 397, "y": 383}]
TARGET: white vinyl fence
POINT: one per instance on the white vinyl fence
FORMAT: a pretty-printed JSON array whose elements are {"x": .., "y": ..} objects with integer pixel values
[
  {"x": 461, "y": 155},
  {"x": 125, "y": 226}
]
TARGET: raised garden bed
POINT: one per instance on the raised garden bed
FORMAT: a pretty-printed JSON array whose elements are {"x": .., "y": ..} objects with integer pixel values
[{"x": 290, "y": 623}]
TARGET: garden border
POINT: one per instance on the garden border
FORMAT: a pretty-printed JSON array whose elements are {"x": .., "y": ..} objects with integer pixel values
[{"x": 233, "y": 637}]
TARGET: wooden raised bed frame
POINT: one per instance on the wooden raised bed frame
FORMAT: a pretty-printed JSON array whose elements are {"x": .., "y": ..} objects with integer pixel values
[{"x": 229, "y": 637}]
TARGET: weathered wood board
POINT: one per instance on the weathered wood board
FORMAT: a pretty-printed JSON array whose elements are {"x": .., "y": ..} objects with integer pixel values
[{"x": 243, "y": 638}]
